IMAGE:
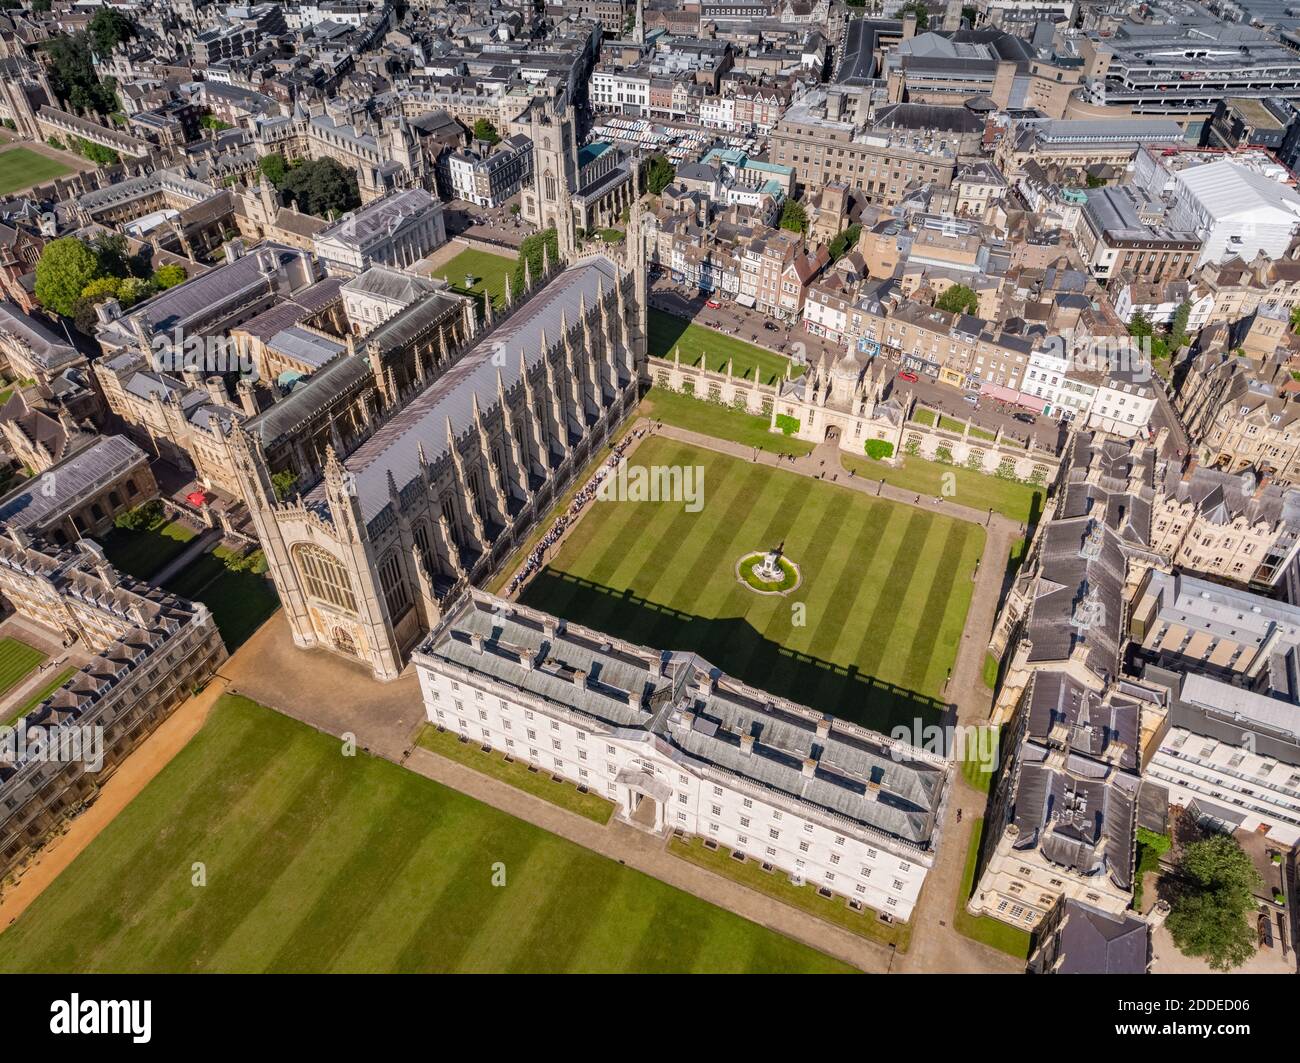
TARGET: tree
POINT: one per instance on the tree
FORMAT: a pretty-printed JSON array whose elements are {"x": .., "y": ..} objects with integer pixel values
[
  {"x": 112, "y": 254},
  {"x": 917, "y": 8},
  {"x": 485, "y": 130},
  {"x": 958, "y": 299},
  {"x": 844, "y": 242},
  {"x": 73, "y": 76},
  {"x": 274, "y": 168},
  {"x": 65, "y": 268},
  {"x": 169, "y": 276},
  {"x": 1178, "y": 327},
  {"x": 283, "y": 483},
  {"x": 793, "y": 217},
  {"x": 95, "y": 152},
  {"x": 1295, "y": 319},
  {"x": 530, "y": 251},
  {"x": 323, "y": 188},
  {"x": 1209, "y": 915},
  {"x": 108, "y": 29},
  {"x": 1139, "y": 325},
  {"x": 211, "y": 121},
  {"x": 659, "y": 174}
]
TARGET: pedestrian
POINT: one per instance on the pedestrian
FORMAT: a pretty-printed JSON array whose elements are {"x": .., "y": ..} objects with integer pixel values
[{"x": 959, "y": 815}]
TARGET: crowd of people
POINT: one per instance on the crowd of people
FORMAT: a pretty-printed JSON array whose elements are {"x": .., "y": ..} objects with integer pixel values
[{"x": 556, "y": 531}]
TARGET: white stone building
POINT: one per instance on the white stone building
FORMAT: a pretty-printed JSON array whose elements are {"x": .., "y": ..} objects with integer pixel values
[
  {"x": 398, "y": 230},
  {"x": 677, "y": 744}
]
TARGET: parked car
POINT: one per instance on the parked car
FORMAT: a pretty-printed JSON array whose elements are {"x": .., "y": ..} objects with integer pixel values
[
  {"x": 971, "y": 397},
  {"x": 713, "y": 304},
  {"x": 909, "y": 376},
  {"x": 1025, "y": 418},
  {"x": 770, "y": 326}
]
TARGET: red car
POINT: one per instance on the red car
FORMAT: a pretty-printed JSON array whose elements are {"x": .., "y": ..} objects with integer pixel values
[
  {"x": 713, "y": 304},
  {"x": 910, "y": 377}
]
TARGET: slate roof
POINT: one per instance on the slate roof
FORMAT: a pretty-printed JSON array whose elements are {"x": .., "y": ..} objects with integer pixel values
[
  {"x": 700, "y": 712},
  {"x": 46, "y": 498},
  {"x": 393, "y": 448},
  {"x": 48, "y": 350},
  {"x": 1091, "y": 941}
]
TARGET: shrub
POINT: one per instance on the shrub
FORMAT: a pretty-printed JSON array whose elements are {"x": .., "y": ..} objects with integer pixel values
[
  {"x": 878, "y": 449},
  {"x": 1006, "y": 470},
  {"x": 1039, "y": 476},
  {"x": 912, "y": 446},
  {"x": 943, "y": 455},
  {"x": 788, "y": 425},
  {"x": 975, "y": 460},
  {"x": 143, "y": 517}
]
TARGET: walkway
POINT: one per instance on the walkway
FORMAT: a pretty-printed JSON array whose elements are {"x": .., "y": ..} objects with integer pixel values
[
  {"x": 132, "y": 776},
  {"x": 183, "y": 560}
]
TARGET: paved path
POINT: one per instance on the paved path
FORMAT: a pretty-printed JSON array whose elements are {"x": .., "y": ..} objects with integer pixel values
[
  {"x": 131, "y": 776},
  {"x": 183, "y": 560}
]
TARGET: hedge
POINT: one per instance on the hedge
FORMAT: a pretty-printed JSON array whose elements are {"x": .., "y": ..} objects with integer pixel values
[
  {"x": 879, "y": 448},
  {"x": 788, "y": 425}
]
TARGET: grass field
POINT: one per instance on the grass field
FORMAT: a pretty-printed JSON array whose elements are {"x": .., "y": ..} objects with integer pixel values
[
  {"x": 233, "y": 587},
  {"x": 142, "y": 553},
  {"x": 881, "y": 607},
  {"x": 696, "y": 415},
  {"x": 22, "y": 167},
  {"x": 39, "y": 696},
  {"x": 489, "y": 270},
  {"x": 992, "y": 932},
  {"x": 17, "y": 661},
  {"x": 669, "y": 332},
  {"x": 313, "y": 861},
  {"x": 1011, "y": 498}
]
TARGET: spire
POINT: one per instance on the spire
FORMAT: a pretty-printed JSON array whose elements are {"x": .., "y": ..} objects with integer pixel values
[{"x": 510, "y": 298}]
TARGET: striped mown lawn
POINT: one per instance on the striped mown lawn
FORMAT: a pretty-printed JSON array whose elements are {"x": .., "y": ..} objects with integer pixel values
[
  {"x": 870, "y": 633},
  {"x": 17, "y": 661},
  {"x": 22, "y": 168},
  {"x": 314, "y": 861},
  {"x": 40, "y": 695}
]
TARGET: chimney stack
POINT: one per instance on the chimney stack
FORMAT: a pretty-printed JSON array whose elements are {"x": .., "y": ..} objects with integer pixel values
[
  {"x": 476, "y": 641},
  {"x": 809, "y": 768},
  {"x": 579, "y": 678},
  {"x": 747, "y": 744},
  {"x": 823, "y": 727}
]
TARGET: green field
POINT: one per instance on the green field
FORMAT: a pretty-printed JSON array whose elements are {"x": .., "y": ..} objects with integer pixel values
[
  {"x": 881, "y": 607},
  {"x": 710, "y": 419},
  {"x": 313, "y": 861},
  {"x": 39, "y": 696},
  {"x": 1019, "y": 501},
  {"x": 983, "y": 928},
  {"x": 22, "y": 168},
  {"x": 489, "y": 271},
  {"x": 142, "y": 553},
  {"x": 17, "y": 661},
  {"x": 669, "y": 332},
  {"x": 234, "y": 587}
]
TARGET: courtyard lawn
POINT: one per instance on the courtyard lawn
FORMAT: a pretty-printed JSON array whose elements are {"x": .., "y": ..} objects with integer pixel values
[
  {"x": 516, "y": 773},
  {"x": 234, "y": 586},
  {"x": 710, "y": 419},
  {"x": 142, "y": 553},
  {"x": 22, "y": 168},
  {"x": 1018, "y": 501},
  {"x": 35, "y": 699},
  {"x": 489, "y": 271},
  {"x": 668, "y": 332},
  {"x": 989, "y": 931},
  {"x": 316, "y": 862},
  {"x": 924, "y": 416},
  {"x": 17, "y": 661},
  {"x": 883, "y": 598}
]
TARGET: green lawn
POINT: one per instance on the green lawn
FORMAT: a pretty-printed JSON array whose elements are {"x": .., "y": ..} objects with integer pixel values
[
  {"x": 489, "y": 271},
  {"x": 880, "y": 610},
  {"x": 668, "y": 332},
  {"x": 17, "y": 661},
  {"x": 22, "y": 168},
  {"x": 926, "y": 417},
  {"x": 979, "y": 774},
  {"x": 697, "y": 415},
  {"x": 1011, "y": 498},
  {"x": 538, "y": 783},
  {"x": 777, "y": 884},
  {"x": 142, "y": 553},
  {"x": 40, "y": 695},
  {"x": 313, "y": 862},
  {"x": 234, "y": 587},
  {"x": 992, "y": 932}
]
